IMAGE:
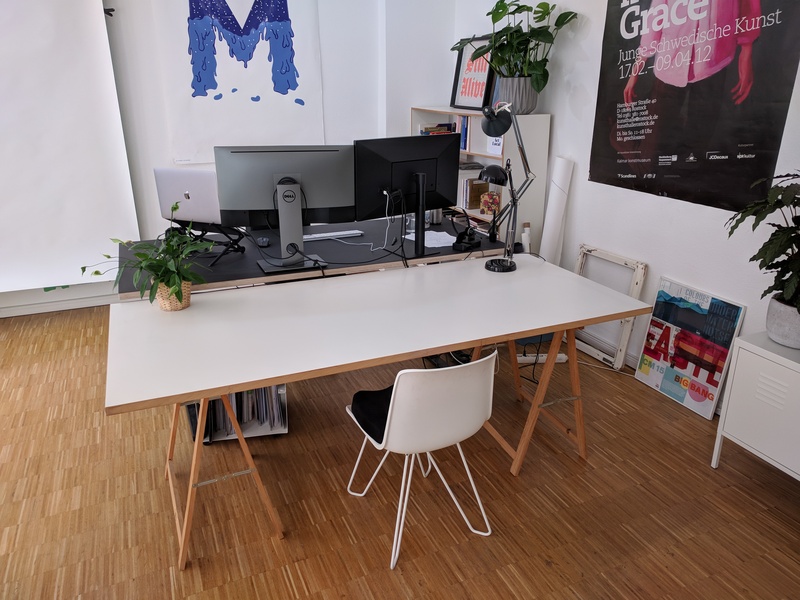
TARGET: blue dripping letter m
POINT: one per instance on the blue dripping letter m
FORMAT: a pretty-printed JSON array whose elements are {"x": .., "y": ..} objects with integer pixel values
[{"x": 267, "y": 20}]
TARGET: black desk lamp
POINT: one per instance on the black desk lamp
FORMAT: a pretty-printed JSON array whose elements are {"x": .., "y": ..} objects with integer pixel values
[{"x": 495, "y": 123}]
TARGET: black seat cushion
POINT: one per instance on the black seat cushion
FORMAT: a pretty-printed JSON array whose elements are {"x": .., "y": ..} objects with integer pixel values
[{"x": 370, "y": 408}]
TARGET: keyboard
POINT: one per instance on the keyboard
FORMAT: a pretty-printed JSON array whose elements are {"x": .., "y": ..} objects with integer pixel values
[{"x": 331, "y": 235}]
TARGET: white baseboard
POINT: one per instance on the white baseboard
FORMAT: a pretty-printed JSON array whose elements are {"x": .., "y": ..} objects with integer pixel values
[{"x": 29, "y": 302}]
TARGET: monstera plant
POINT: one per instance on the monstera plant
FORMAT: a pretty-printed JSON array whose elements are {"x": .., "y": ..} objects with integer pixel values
[{"x": 521, "y": 46}]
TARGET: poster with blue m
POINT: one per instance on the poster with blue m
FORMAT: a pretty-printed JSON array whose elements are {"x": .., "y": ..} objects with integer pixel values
[
  {"x": 239, "y": 73},
  {"x": 267, "y": 21}
]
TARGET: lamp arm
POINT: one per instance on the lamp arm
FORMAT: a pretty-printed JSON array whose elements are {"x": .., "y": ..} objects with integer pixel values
[
  {"x": 526, "y": 169},
  {"x": 525, "y": 185},
  {"x": 521, "y": 147}
]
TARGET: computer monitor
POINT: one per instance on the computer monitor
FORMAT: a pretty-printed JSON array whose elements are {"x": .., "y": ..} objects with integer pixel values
[
  {"x": 285, "y": 186},
  {"x": 423, "y": 167},
  {"x": 390, "y": 164},
  {"x": 247, "y": 179}
]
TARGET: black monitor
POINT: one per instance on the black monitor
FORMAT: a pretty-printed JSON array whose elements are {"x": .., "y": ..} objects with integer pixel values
[
  {"x": 248, "y": 176},
  {"x": 390, "y": 164},
  {"x": 423, "y": 168}
]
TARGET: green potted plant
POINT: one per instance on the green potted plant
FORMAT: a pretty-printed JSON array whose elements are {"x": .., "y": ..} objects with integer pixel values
[
  {"x": 163, "y": 266},
  {"x": 780, "y": 254},
  {"x": 518, "y": 52}
]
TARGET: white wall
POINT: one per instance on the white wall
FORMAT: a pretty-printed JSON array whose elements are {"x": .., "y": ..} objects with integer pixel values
[
  {"x": 379, "y": 58},
  {"x": 676, "y": 239}
]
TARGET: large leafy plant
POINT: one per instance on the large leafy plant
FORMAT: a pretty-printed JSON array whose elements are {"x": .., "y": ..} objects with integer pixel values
[
  {"x": 165, "y": 260},
  {"x": 781, "y": 252},
  {"x": 521, "y": 47}
]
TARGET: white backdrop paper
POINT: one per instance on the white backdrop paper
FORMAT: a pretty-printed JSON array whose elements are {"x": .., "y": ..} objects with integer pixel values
[
  {"x": 63, "y": 169},
  {"x": 244, "y": 109},
  {"x": 553, "y": 230}
]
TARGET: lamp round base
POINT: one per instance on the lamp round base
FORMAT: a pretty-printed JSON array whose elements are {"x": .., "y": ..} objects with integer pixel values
[{"x": 501, "y": 265}]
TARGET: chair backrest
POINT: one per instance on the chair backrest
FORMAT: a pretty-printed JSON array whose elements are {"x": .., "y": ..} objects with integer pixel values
[{"x": 435, "y": 408}]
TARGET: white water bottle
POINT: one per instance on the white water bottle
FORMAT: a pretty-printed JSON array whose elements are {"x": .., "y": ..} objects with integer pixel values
[{"x": 526, "y": 238}]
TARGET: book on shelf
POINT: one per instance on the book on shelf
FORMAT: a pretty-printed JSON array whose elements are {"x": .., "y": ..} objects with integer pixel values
[
  {"x": 472, "y": 192},
  {"x": 437, "y": 128},
  {"x": 464, "y": 129},
  {"x": 464, "y": 176}
]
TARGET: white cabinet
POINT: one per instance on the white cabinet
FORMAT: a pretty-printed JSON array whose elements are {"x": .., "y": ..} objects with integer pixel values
[
  {"x": 535, "y": 132},
  {"x": 761, "y": 404}
]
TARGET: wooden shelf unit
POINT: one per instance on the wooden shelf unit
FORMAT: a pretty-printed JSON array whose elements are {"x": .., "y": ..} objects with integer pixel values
[{"x": 535, "y": 131}]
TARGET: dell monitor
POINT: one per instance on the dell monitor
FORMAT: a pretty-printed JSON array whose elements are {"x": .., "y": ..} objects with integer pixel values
[
  {"x": 247, "y": 178},
  {"x": 424, "y": 168},
  {"x": 263, "y": 187}
]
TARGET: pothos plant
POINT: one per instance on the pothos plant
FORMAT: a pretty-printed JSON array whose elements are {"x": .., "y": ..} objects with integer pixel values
[
  {"x": 521, "y": 47},
  {"x": 165, "y": 260},
  {"x": 780, "y": 254}
]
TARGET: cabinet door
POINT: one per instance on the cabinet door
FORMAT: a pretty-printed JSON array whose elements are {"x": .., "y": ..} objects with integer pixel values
[{"x": 764, "y": 410}]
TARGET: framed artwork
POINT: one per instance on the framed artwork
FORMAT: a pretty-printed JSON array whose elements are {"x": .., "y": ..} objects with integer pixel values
[
  {"x": 685, "y": 353},
  {"x": 473, "y": 82}
]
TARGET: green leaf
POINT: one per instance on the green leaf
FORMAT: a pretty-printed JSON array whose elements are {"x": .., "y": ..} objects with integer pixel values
[
  {"x": 543, "y": 11},
  {"x": 461, "y": 44},
  {"x": 539, "y": 80},
  {"x": 498, "y": 12},
  {"x": 564, "y": 18}
]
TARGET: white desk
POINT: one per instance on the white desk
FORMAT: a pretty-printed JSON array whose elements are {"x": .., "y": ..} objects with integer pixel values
[{"x": 299, "y": 330}]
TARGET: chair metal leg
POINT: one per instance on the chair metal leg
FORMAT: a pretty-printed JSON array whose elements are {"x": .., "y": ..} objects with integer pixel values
[
  {"x": 474, "y": 491},
  {"x": 402, "y": 506},
  {"x": 355, "y": 468},
  {"x": 425, "y": 472}
]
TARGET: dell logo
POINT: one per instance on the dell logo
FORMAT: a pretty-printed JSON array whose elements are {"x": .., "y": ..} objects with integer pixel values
[{"x": 289, "y": 196}]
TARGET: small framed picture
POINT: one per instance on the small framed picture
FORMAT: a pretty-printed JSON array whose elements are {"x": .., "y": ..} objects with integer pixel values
[{"x": 473, "y": 83}]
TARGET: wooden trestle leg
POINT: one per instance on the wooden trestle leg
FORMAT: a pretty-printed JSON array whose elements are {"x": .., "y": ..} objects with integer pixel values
[
  {"x": 184, "y": 523},
  {"x": 538, "y": 405}
]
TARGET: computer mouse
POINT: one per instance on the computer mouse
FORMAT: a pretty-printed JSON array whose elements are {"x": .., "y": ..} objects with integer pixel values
[{"x": 262, "y": 242}]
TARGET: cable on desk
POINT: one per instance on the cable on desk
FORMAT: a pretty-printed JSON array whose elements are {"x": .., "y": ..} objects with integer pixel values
[
  {"x": 295, "y": 249},
  {"x": 263, "y": 254}
]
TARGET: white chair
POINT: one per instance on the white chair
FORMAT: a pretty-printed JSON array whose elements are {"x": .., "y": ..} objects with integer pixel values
[{"x": 425, "y": 410}]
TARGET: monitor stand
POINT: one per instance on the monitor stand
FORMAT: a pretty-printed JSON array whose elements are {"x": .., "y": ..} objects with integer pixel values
[
  {"x": 290, "y": 220},
  {"x": 419, "y": 223}
]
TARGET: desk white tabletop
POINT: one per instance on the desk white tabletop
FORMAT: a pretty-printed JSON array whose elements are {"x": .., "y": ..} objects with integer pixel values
[{"x": 233, "y": 340}]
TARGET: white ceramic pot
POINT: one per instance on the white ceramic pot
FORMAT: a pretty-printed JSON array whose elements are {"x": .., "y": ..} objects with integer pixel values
[
  {"x": 783, "y": 323},
  {"x": 518, "y": 91}
]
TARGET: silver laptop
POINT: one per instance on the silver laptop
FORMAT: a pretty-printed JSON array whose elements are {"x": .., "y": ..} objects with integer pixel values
[{"x": 195, "y": 189}]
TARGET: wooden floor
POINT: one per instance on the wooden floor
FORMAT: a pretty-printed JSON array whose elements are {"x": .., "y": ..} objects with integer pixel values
[{"x": 85, "y": 509}]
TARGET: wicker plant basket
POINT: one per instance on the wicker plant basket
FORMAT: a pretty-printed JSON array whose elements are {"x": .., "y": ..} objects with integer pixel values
[{"x": 170, "y": 303}]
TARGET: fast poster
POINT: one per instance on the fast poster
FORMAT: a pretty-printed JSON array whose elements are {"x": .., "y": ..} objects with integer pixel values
[
  {"x": 693, "y": 97},
  {"x": 685, "y": 353}
]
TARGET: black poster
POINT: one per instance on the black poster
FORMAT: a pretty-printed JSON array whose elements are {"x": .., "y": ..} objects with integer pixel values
[{"x": 693, "y": 97}]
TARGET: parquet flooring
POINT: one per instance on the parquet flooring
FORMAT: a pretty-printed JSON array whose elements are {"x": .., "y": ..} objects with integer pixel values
[{"x": 85, "y": 509}]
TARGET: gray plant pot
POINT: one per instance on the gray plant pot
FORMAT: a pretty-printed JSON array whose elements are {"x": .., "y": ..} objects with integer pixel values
[
  {"x": 783, "y": 323},
  {"x": 518, "y": 91}
]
